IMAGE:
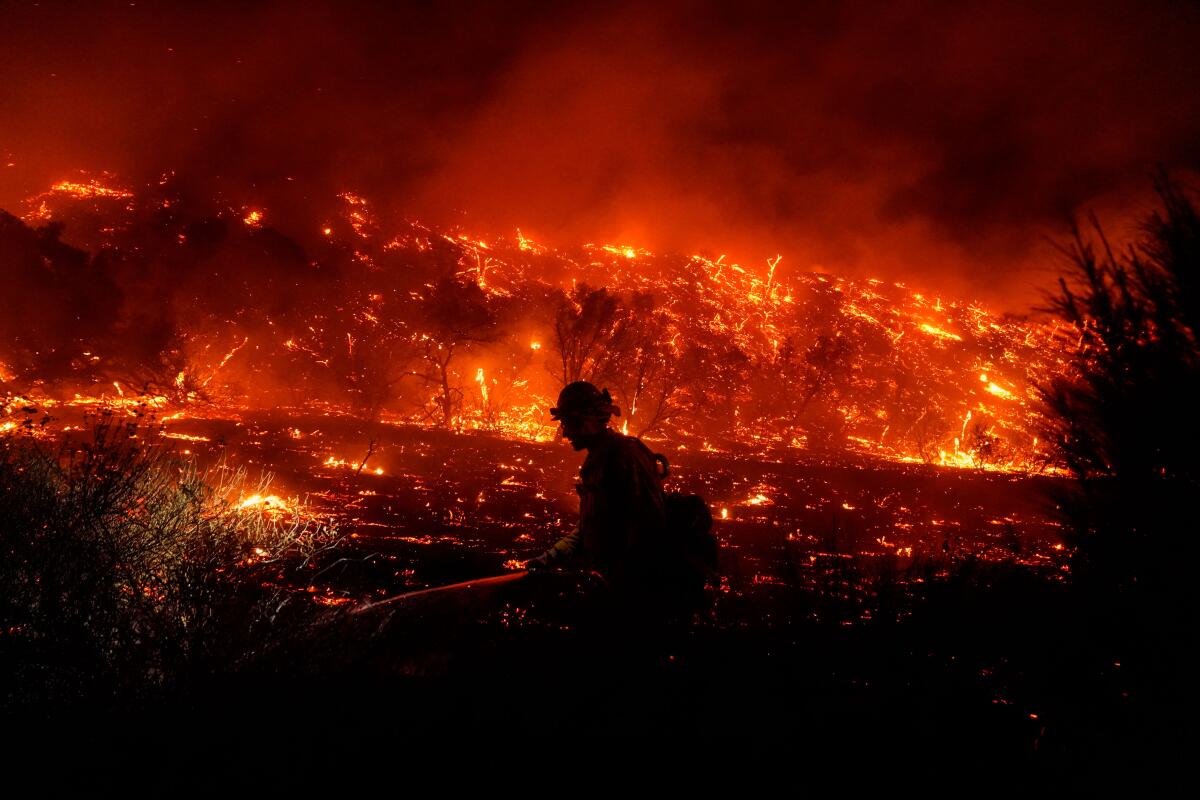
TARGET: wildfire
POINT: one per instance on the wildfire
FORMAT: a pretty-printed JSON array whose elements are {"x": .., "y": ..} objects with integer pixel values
[
  {"x": 89, "y": 189},
  {"x": 269, "y": 503},
  {"x": 939, "y": 333},
  {"x": 527, "y": 245},
  {"x": 187, "y": 437},
  {"x": 360, "y": 218},
  {"x": 996, "y": 389},
  {"x": 627, "y": 252},
  {"x": 341, "y": 463},
  {"x": 483, "y": 389},
  {"x": 763, "y": 315}
]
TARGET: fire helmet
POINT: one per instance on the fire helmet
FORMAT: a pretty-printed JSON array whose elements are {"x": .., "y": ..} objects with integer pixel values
[{"x": 584, "y": 399}]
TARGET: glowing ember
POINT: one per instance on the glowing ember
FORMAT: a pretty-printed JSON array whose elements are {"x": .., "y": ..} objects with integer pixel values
[
  {"x": 999, "y": 391},
  {"x": 89, "y": 189},
  {"x": 268, "y": 503},
  {"x": 939, "y": 333},
  {"x": 186, "y": 437},
  {"x": 483, "y": 389}
]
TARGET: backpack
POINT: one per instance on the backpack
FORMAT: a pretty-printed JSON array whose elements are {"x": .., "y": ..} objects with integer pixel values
[{"x": 689, "y": 525}]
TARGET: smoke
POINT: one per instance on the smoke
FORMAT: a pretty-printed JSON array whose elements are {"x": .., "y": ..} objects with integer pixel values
[{"x": 938, "y": 144}]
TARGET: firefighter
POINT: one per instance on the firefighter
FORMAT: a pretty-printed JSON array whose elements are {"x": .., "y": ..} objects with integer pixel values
[{"x": 622, "y": 517}]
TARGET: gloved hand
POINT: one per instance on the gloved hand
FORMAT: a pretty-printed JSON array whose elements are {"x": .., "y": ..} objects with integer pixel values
[{"x": 539, "y": 564}]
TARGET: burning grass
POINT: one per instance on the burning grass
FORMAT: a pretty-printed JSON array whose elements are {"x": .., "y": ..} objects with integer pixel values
[{"x": 127, "y": 569}]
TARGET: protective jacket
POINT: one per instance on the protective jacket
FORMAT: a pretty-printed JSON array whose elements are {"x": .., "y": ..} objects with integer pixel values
[{"x": 622, "y": 517}]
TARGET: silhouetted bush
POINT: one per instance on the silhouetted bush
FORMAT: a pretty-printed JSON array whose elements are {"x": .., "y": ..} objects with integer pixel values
[
  {"x": 1125, "y": 416},
  {"x": 126, "y": 570}
]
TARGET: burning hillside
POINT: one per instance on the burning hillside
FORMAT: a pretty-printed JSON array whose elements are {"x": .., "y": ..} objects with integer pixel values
[
  {"x": 191, "y": 303},
  {"x": 288, "y": 294}
]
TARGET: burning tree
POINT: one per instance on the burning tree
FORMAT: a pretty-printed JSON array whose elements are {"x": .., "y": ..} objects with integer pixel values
[
  {"x": 512, "y": 368},
  {"x": 1125, "y": 417},
  {"x": 916, "y": 411},
  {"x": 583, "y": 323},
  {"x": 824, "y": 376},
  {"x": 368, "y": 351},
  {"x": 455, "y": 314},
  {"x": 630, "y": 343},
  {"x": 639, "y": 361}
]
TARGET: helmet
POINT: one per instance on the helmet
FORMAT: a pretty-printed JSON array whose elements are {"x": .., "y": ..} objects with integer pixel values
[{"x": 584, "y": 399}]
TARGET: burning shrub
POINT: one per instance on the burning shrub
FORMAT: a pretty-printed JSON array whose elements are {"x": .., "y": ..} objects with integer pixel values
[{"x": 126, "y": 569}]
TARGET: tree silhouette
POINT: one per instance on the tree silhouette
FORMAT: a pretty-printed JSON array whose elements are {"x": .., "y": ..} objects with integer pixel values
[
  {"x": 368, "y": 349},
  {"x": 645, "y": 362},
  {"x": 454, "y": 315},
  {"x": 583, "y": 322}
]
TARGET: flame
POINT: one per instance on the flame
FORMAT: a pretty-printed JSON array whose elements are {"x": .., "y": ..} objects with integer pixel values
[
  {"x": 996, "y": 389},
  {"x": 756, "y": 311},
  {"x": 268, "y": 503},
  {"x": 89, "y": 189},
  {"x": 483, "y": 389},
  {"x": 187, "y": 437},
  {"x": 939, "y": 333},
  {"x": 360, "y": 217},
  {"x": 527, "y": 245}
]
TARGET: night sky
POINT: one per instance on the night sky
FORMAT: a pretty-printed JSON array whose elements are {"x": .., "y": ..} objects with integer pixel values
[{"x": 941, "y": 144}]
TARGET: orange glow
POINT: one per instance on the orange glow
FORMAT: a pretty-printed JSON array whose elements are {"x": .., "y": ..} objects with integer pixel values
[
  {"x": 89, "y": 189},
  {"x": 267, "y": 503},
  {"x": 939, "y": 333},
  {"x": 762, "y": 314}
]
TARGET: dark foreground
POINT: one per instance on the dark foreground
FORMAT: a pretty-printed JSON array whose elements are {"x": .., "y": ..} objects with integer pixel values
[
  {"x": 994, "y": 671},
  {"x": 883, "y": 621}
]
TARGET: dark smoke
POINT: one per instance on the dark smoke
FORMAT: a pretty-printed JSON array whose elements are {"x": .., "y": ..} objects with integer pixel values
[{"x": 933, "y": 143}]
